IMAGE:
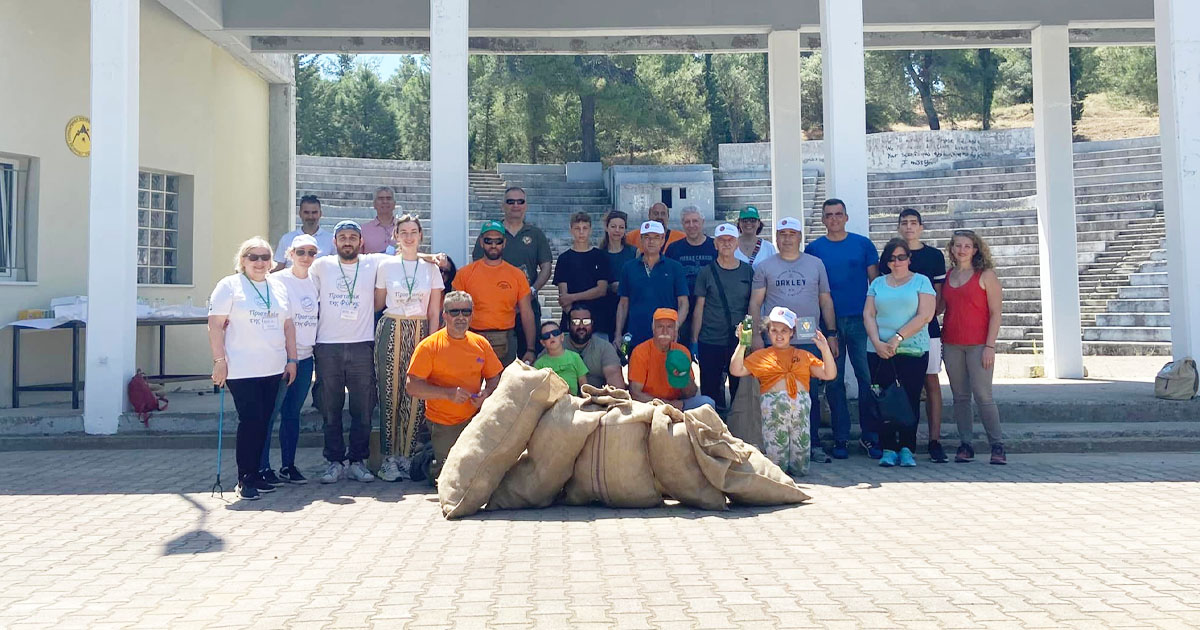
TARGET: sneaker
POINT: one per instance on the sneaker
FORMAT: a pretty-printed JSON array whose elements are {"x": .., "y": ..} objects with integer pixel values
[
  {"x": 965, "y": 453},
  {"x": 291, "y": 475},
  {"x": 906, "y": 458},
  {"x": 390, "y": 470},
  {"x": 269, "y": 476},
  {"x": 840, "y": 451},
  {"x": 247, "y": 491},
  {"x": 259, "y": 484},
  {"x": 888, "y": 459},
  {"x": 333, "y": 472},
  {"x": 937, "y": 454},
  {"x": 358, "y": 472},
  {"x": 998, "y": 456},
  {"x": 818, "y": 455}
]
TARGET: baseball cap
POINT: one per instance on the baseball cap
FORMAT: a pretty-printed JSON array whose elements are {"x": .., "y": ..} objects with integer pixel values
[
  {"x": 784, "y": 316},
  {"x": 726, "y": 229},
  {"x": 749, "y": 213},
  {"x": 789, "y": 223},
  {"x": 491, "y": 226},
  {"x": 666, "y": 313},
  {"x": 652, "y": 227},
  {"x": 304, "y": 239},
  {"x": 346, "y": 225},
  {"x": 679, "y": 369}
]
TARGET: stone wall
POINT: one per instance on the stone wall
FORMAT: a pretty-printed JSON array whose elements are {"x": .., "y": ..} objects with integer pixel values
[{"x": 635, "y": 188}]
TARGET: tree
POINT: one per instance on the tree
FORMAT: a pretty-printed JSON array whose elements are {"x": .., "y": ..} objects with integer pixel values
[
  {"x": 408, "y": 95},
  {"x": 1083, "y": 79},
  {"x": 921, "y": 68},
  {"x": 316, "y": 133},
  {"x": 1130, "y": 75},
  {"x": 367, "y": 124},
  {"x": 718, "y": 118}
]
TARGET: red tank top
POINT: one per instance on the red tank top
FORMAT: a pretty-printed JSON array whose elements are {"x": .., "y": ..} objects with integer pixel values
[{"x": 966, "y": 319}]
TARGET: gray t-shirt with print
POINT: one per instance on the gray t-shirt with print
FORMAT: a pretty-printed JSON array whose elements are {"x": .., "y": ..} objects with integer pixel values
[{"x": 795, "y": 284}]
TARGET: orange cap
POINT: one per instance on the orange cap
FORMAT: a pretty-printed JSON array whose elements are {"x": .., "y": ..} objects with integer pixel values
[{"x": 666, "y": 313}]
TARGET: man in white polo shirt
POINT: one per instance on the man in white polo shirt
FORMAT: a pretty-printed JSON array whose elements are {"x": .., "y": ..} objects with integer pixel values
[
  {"x": 345, "y": 350},
  {"x": 310, "y": 224}
]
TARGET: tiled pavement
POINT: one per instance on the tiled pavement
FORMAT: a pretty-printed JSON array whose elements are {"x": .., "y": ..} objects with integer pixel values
[{"x": 114, "y": 539}]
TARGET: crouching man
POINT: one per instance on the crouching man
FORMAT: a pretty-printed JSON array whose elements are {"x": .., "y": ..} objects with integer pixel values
[
  {"x": 453, "y": 370},
  {"x": 661, "y": 368}
]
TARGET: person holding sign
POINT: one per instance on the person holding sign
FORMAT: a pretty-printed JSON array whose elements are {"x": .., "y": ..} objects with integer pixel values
[{"x": 253, "y": 344}]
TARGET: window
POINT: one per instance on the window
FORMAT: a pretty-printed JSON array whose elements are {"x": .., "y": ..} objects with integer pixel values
[
  {"x": 13, "y": 220},
  {"x": 158, "y": 259}
]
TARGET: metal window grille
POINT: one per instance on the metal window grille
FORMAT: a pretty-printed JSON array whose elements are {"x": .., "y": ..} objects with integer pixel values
[
  {"x": 12, "y": 217},
  {"x": 158, "y": 228}
]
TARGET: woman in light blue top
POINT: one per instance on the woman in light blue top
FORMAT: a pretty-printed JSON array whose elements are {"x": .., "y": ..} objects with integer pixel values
[{"x": 898, "y": 309}]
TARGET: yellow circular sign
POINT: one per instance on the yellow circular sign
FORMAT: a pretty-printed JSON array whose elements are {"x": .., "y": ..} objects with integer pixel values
[{"x": 79, "y": 136}]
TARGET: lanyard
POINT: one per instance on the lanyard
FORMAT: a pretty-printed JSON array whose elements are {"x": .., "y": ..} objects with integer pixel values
[
  {"x": 409, "y": 282},
  {"x": 267, "y": 299},
  {"x": 350, "y": 285}
]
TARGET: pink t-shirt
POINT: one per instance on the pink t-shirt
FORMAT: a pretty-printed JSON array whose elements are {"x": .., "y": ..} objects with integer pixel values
[{"x": 376, "y": 237}]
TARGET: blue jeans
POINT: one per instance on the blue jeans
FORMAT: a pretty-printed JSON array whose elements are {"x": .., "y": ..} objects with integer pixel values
[
  {"x": 696, "y": 402},
  {"x": 814, "y": 396},
  {"x": 852, "y": 341},
  {"x": 288, "y": 404}
]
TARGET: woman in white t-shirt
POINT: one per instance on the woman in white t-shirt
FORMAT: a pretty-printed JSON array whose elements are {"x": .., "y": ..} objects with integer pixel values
[
  {"x": 302, "y": 305},
  {"x": 411, "y": 289},
  {"x": 253, "y": 342},
  {"x": 752, "y": 249}
]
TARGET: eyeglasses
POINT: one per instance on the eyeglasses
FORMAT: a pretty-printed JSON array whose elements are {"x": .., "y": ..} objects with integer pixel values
[
  {"x": 583, "y": 321},
  {"x": 514, "y": 202},
  {"x": 257, "y": 257},
  {"x": 900, "y": 257},
  {"x": 550, "y": 334},
  {"x": 304, "y": 252},
  {"x": 493, "y": 241},
  {"x": 459, "y": 312}
]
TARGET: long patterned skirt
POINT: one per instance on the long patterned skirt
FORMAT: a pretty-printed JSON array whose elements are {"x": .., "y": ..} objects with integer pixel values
[
  {"x": 785, "y": 429},
  {"x": 400, "y": 416}
]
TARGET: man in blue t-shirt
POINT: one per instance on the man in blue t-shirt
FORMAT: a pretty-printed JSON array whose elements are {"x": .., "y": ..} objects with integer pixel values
[
  {"x": 648, "y": 283},
  {"x": 851, "y": 262},
  {"x": 695, "y": 251}
]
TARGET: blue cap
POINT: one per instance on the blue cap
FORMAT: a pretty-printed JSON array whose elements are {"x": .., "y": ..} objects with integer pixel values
[{"x": 347, "y": 225}]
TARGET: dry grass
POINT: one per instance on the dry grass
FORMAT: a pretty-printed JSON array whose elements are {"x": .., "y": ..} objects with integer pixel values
[{"x": 1102, "y": 120}]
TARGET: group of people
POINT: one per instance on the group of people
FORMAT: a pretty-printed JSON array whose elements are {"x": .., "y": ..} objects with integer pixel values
[{"x": 371, "y": 317}]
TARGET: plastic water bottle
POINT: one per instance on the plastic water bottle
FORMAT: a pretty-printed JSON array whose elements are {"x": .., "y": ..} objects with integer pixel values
[
  {"x": 626, "y": 339},
  {"x": 747, "y": 331}
]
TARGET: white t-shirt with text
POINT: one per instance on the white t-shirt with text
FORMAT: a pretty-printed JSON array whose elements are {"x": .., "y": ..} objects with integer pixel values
[
  {"x": 255, "y": 345},
  {"x": 346, "y": 294},
  {"x": 302, "y": 300},
  {"x": 325, "y": 245},
  {"x": 408, "y": 284}
]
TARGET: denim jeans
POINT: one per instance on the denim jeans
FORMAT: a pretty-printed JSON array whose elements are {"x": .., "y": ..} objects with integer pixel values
[
  {"x": 695, "y": 402},
  {"x": 714, "y": 371},
  {"x": 342, "y": 368},
  {"x": 852, "y": 341},
  {"x": 288, "y": 404},
  {"x": 814, "y": 397}
]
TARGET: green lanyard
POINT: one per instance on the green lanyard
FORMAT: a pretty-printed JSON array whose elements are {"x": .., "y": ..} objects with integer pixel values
[
  {"x": 267, "y": 299},
  {"x": 351, "y": 285},
  {"x": 410, "y": 283}
]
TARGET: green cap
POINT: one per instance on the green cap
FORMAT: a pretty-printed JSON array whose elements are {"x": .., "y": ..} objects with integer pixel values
[
  {"x": 491, "y": 226},
  {"x": 679, "y": 369},
  {"x": 749, "y": 213}
]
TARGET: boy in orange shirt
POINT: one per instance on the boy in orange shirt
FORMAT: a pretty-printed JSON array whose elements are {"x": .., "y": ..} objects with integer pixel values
[
  {"x": 500, "y": 290},
  {"x": 783, "y": 372},
  {"x": 662, "y": 368}
]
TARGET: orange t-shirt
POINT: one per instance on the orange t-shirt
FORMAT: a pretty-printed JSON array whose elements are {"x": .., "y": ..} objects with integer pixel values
[
  {"x": 496, "y": 291},
  {"x": 648, "y": 366},
  {"x": 635, "y": 238},
  {"x": 445, "y": 361},
  {"x": 771, "y": 364}
]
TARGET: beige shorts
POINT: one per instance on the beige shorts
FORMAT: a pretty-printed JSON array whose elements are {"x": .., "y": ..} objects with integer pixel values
[{"x": 935, "y": 356}]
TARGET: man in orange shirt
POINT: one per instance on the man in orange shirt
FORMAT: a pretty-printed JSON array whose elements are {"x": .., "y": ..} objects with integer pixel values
[
  {"x": 499, "y": 291},
  {"x": 661, "y": 368},
  {"x": 657, "y": 212},
  {"x": 446, "y": 370}
]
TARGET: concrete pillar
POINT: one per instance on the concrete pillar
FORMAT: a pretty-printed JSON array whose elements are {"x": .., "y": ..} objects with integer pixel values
[
  {"x": 787, "y": 137},
  {"x": 1059, "y": 267},
  {"x": 845, "y": 98},
  {"x": 448, "y": 127},
  {"x": 112, "y": 213},
  {"x": 1177, "y": 32},
  {"x": 281, "y": 151}
]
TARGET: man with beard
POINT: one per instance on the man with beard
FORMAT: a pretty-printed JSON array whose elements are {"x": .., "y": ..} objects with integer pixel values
[
  {"x": 600, "y": 357},
  {"x": 345, "y": 350},
  {"x": 499, "y": 291}
]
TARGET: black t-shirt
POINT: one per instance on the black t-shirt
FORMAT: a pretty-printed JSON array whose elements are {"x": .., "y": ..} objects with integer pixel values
[
  {"x": 582, "y": 271},
  {"x": 931, "y": 262}
]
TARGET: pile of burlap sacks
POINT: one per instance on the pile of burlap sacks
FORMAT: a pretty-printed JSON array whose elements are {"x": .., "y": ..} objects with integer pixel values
[{"x": 533, "y": 444}]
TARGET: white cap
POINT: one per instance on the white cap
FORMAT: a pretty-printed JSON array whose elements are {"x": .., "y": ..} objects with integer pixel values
[
  {"x": 789, "y": 223},
  {"x": 652, "y": 227},
  {"x": 784, "y": 316},
  {"x": 726, "y": 229},
  {"x": 304, "y": 239}
]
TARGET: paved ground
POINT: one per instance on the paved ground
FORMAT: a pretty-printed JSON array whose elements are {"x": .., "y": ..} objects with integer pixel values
[{"x": 110, "y": 539}]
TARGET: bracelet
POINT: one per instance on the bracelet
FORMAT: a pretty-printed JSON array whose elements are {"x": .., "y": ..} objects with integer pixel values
[
  {"x": 294, "y": 361},
  {"x": 987, "y": 346},
  {"x": 219, "y": 360},
  {"x": 900, "y": 336}
]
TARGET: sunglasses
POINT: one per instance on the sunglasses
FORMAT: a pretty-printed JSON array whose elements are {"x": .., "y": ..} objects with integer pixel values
[
  {"x": 584, "y": 321},
  {"x": 514, "y": 202},
  {"x": 258, "y": 257},
  {"x": 304, "y": 252},
  {"x": 550, "y": 334},
  {"x": 459, "y": 312},
  {"x": 900, "y": 257},
  {"x": 493, "y": 241}
]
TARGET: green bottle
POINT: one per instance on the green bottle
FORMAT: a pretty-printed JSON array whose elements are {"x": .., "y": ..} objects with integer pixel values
[{"x": 747, "y": 331}]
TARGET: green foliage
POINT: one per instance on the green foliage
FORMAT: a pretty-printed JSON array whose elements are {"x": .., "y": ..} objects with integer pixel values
[
  {"x": 1130, "y": 75},
  {"x": 366, "y": 123}
]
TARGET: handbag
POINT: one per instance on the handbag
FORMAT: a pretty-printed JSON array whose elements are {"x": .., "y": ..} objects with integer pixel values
[
  {"x": 1178, "y": 380},
  {"x": 892, "y": 402}
]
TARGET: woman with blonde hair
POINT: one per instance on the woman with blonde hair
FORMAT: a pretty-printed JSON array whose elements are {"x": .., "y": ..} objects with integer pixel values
[
  {"x": 410, "y": 287},
  {"x": 253, "y": 343},
  {"x": 972, "y": 296}
]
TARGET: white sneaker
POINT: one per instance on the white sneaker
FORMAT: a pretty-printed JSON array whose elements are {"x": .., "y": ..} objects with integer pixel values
[
  {"x": 358, "y": 472},
  {"x": 390, "y": 470},
  {"x": 333, "y": 473}
]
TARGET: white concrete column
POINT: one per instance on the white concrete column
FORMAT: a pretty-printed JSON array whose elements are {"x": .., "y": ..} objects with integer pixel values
[
  {"x": 112, "y": 213},
  {"x": 787, "y": 137},
  {"x": 845, "y": 101},
  {"x": 448, "y": 127},
  {"x": 1177, "y": 32},
  {"x": 281, "y": 151},
  {"x": 1059, "y": 267}
]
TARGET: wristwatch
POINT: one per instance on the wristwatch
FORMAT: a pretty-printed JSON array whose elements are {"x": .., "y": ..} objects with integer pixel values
[
  {"x": 831, "y": 333},
  {"x": 900, "y": 336}
]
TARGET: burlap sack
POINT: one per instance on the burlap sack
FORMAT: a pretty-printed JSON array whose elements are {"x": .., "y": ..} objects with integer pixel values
[
  {"x": 674, "y": 462},
  {"x": 548, "y": 461},
  {"x": 614, "y": 466},
  {"x": 735, "y": 467},
  {"x": 607, "y": 396},
  {"x": 496, "y": 437},
  {"x": 745, "y": 413}
]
